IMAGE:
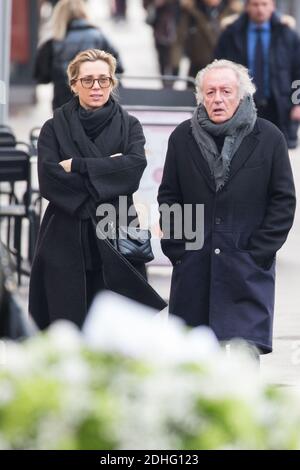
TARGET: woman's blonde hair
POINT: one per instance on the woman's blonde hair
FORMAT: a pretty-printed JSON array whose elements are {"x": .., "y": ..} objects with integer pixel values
[
  {"x": 92, "y": 55},
  {"x": 64, "y": 12}
]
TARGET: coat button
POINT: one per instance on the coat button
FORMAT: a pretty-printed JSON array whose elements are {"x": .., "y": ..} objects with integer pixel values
[
  {"x": 178, "y": 261},
  {"x": 217, "y": 251},
  {"x": 218, "y": 220}
]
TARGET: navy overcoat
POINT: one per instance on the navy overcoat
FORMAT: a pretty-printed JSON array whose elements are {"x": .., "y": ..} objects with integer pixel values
[{"x": 229, "y": 283}]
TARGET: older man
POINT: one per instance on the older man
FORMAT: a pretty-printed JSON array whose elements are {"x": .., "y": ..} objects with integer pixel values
[
  {"x": 237, "y": 166},
  {"x": 262, "y": 41}
]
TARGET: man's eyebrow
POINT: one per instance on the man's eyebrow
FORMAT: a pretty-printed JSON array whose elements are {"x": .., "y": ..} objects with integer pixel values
[{"x": 221, "y": 86}]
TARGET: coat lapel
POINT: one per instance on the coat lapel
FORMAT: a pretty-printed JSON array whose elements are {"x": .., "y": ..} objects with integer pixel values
[
  {"x": 244, "y": 151},
  {"x": 200, "y": 162}
]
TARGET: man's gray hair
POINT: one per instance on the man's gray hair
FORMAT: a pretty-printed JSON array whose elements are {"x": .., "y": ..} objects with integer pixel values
[{"x": 246, "y": 87}]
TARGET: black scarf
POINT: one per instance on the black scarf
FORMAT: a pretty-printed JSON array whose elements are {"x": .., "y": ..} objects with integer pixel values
[
  {"x": 234, "y": 131},
  {"x": 94, "y": 122},
  {"x": 73, "y": 138}
]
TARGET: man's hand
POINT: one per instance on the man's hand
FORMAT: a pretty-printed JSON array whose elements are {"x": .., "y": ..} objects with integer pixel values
[
  {"x": 295, "y": 113},
  {"x": 66, "y": 164}
]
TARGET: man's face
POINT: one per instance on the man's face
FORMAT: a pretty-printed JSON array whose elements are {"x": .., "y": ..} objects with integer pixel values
[
  {"x": 220, "y": 94},
  {"x": 260, "y": 11}
]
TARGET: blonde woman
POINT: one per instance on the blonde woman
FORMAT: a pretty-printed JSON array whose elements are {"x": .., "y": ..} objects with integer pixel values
[
  {"x": 90, "y": 152},
  {"x": 73, "y": 32}
]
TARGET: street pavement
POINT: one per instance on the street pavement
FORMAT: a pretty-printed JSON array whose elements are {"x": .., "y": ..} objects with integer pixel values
[{"x": 135, "y": 43}]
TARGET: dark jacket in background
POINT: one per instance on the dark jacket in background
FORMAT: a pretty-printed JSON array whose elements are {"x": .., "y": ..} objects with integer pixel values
[
  {"x": 163, "y": 18},
  {"x": 284, "y": 63},
  {"x": 198, "y": 31},
  {"x": 229, "y": 283},
  {"x": 54, "y": 57}
]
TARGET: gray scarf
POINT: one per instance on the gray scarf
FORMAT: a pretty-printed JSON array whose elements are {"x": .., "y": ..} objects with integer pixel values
[{"x": 234, "y": 130}]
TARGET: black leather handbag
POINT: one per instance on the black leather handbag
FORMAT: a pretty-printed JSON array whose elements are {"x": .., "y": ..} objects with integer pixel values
[
  {"x": 133, "y": 243},
  {"x": 119, "y": 274}
]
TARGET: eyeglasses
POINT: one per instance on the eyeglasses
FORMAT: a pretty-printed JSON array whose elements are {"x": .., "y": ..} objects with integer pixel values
[{"x": 88, "y": 82}]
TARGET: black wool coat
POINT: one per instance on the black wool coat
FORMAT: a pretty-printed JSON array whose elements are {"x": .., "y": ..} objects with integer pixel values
[
  {"x": 58, "y": 277},
  {"x": 229, "y": 283},
  {"x": 284, "y": 63}
]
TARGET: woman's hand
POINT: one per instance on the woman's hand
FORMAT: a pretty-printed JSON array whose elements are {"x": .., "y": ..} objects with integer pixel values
[{"x": 66, "y": 164}]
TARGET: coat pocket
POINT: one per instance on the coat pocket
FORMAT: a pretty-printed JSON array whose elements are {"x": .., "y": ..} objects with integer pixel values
[{"x": 242, "y": 243}]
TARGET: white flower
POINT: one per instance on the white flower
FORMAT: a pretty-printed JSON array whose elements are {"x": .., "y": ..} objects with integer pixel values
[
  {"x": 19, "y": 361},
  {"x": 65, "y": 337},
  {"x": 117, "y": 324},
  {"x": 72, "y": 370},
  {"x": 6, "y": 392}
]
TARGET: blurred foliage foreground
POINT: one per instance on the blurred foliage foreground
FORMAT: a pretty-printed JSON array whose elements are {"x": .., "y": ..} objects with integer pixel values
[{"x": 133, "y": 381}]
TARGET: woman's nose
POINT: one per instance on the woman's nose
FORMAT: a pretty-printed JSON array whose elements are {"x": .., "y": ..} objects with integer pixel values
[{"x": 96, "y": 84}]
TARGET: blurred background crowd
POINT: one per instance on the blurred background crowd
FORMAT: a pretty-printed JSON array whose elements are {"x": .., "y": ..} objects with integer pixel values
[{"x": 181, "y": 29}]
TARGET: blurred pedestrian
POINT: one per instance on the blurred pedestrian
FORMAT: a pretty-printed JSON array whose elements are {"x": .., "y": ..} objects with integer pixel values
[
  {"x": 237, "y": 166},
  {"x": 199, "y": 28},
  {"x": 119, "y": 9},
  {"x": 90, "y": 152},
  {"x": 162, "y": 15},
  {"x": 262, "y": 41},
  {"x": 73, "y": 32}
]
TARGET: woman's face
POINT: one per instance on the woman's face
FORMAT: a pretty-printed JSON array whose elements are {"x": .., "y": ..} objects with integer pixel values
[{"x": 93, "y": 94}]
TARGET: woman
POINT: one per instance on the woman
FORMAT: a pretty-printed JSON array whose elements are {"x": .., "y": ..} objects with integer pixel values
[
  {"x": 90, "y": 152},
  {"x": 73, "y": 32}
]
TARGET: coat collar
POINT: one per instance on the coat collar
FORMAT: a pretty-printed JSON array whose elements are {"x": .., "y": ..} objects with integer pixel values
[
  {"x": 241, "y": 24},
  {"x": 243, "y": 153},
  {"x": 79, "y": 24},
  {"x": 239, "y": 30}
]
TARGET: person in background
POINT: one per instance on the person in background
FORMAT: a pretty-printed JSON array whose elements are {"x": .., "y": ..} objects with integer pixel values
[
  {"x": 262, "y": 40},
  {"x": 237, "y": 166},
  {"x": 73, "y": 32},
  {"x": 90, "y": 152},
  {"x": 119, "y": 9},
  {"x": 162, "y": 15},
  {"x": 198, "y": 30}
]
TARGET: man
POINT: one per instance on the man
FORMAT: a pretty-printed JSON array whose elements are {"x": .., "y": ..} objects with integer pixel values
[
  {"x": 270, "y": 49},
  {"x": 237, "y": 166}
]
